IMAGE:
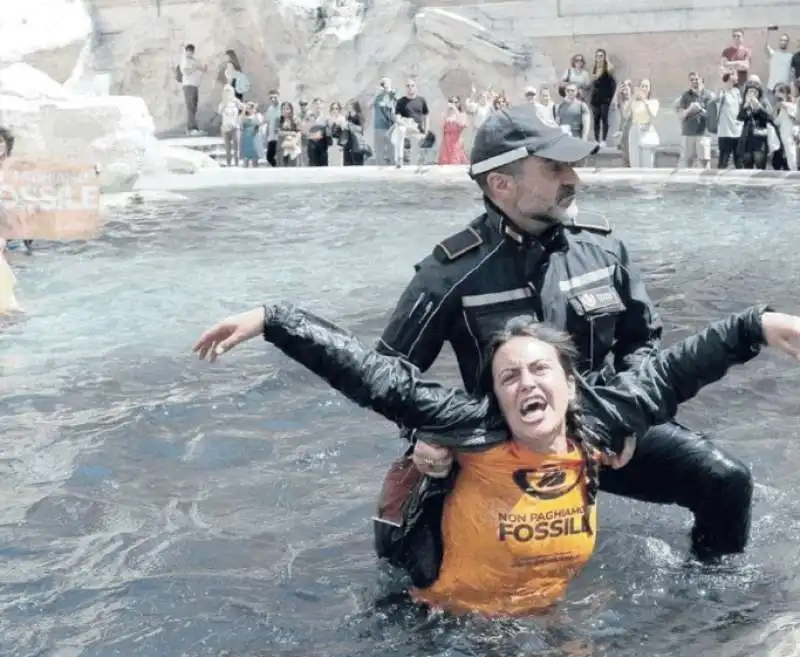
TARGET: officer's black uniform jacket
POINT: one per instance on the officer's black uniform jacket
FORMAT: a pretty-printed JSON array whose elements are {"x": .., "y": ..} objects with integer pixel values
[
  {"x": 577, "y": 278},
  {"x": 647, "y": 394}
]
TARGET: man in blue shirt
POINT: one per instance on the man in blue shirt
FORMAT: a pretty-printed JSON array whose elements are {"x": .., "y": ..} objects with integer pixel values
[{"x": 383, "y": 106}]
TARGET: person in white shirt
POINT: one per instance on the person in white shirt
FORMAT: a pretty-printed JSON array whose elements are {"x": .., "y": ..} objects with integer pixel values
[
  {"x": 729, "y": 128},
  {"x": 546, "y": 108},
  {"x": 478, "y": 108},
  {"x": 643, "y": 138},
  {"x": 784, "y": 152},
  {"x": 190, "y": 76},
  {"x": 230, "y": 109},
  {"x": 780, "y": 61}
]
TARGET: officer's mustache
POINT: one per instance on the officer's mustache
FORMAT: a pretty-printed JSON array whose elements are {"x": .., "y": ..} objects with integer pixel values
[
  {"x": 565, "y": 195},
  {"x": 564, "y": 209}
]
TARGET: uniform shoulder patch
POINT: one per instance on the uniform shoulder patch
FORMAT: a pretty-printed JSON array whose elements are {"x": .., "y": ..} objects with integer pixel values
[
  {"x": 457, "y": 245},
  {"x": 594, "y": 222}
]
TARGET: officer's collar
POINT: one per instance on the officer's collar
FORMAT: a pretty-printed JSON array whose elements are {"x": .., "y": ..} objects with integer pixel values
[{"x": 509, "y": 230}]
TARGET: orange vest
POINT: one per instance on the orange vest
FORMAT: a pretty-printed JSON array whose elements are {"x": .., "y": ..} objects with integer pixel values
[{"x": 517, "y": 528}]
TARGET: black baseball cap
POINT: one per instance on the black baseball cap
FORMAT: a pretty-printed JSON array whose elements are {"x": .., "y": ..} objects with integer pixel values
[{"x": 514, "y": 133}]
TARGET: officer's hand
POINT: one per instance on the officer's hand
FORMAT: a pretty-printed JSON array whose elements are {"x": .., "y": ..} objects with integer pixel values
[
  {"x": 783, "y": 332},
  {"x": 431, "y": 460},
  {"x": 618, "y": 461}
]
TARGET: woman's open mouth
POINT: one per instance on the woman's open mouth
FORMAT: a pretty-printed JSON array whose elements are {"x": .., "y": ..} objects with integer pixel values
[{"x": 532, "y": 410}]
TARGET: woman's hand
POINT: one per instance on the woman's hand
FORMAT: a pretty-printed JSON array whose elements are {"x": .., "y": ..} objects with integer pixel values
[
  {"x": 228, "y": 333},
  {"x": 618, "y": 461},
  {"x": 783, "y": 332},
  {"x": 431, "y": 460}
]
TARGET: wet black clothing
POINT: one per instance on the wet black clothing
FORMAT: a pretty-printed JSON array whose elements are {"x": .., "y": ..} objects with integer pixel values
[
  {"x": 645, "y": 394},
  {"x": 580, "y": 279},
  {"x": 626, "y": 405}
]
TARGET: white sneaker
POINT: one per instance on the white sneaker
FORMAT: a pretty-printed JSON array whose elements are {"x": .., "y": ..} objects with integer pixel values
[{"x": 602, "y": 144}]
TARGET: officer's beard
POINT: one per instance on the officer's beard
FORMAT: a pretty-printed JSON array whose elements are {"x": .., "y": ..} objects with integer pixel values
[{"x": 535, "y": 216}]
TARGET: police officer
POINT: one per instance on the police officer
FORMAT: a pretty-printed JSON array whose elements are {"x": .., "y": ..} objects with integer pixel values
[{"x": 530, "y": 253}]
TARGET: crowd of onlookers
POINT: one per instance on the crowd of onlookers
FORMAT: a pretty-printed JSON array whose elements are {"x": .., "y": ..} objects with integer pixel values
[{"x": 747, "y": 123}]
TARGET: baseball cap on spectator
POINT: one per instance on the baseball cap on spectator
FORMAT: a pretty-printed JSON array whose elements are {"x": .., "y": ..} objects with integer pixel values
[
  {"x": 530, "y": 91},
  {"x": 514, "y": 133}
]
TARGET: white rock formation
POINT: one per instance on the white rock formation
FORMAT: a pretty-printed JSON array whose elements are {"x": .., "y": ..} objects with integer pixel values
[
  {"x": 280, "y": 45},
  {"x": 32, "y": 25},
  {"x": 114, "y": 132}
]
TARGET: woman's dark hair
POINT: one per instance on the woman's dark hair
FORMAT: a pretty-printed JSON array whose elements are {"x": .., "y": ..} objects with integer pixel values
[
  {"x": 455, "y": 100},
  {"x": 782, "y": 88},
  {"x": 568, "y": 354},
  {"x": 355, "y": 108},
  {"x": 754, "y": 85},
  {"x": 234, "y": 59},
  {"x": 8, "y": 138},
  {"x": 286, "y": 104},
  {"x": 605, "y": 59}
]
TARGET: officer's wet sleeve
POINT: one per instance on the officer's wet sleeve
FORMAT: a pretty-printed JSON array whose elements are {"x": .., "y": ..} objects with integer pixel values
[
  {"x": 417, "y": 328},
  {"x": 639, "y": 328},
  {"x": 388, "y": 385},
  {"x": 650, "y": 393}
]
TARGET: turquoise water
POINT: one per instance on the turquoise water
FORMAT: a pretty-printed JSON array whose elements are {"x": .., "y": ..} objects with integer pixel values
[{"x": 154, "y": 505}]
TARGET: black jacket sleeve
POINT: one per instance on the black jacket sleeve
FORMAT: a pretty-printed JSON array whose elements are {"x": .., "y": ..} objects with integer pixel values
[
  {"x": 417, "y": 328},
  {"x": 633, "y": 402},
  {"x": 388, "y": 385},
  {"x": 649, "y": 394},
  {"x": 638, "y": 332}
]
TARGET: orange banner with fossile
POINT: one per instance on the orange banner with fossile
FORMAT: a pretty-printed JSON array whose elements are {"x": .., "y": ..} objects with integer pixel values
[{"x": 49, "y": 200}]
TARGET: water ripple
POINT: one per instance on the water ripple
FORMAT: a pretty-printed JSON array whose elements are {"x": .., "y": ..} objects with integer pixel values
[{"x": 154, "y": 505}]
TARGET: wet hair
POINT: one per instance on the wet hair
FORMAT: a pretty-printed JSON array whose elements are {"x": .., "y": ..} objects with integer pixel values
[
  {"x": 189, "y": 47},
  {"x": 8, "y": 138},
  {"x": 568, "y": 354}
]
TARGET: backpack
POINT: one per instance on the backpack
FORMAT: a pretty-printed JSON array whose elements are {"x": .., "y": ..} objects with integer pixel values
[
  {"x": 178, "y": 73},
  {"x": 241, "y": 83}
]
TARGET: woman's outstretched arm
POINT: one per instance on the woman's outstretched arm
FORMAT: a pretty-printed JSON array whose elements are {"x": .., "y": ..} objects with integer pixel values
[
  {"x": 651, "y": 393},
  {"x": 388, "y": 385}
]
